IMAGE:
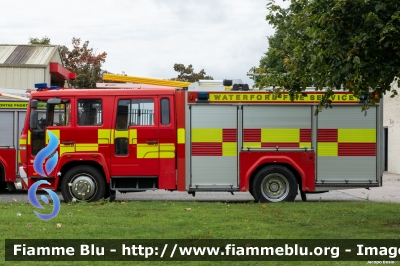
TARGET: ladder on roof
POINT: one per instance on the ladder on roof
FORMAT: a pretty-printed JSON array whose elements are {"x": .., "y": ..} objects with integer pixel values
[{"x": 151, "y": 81}]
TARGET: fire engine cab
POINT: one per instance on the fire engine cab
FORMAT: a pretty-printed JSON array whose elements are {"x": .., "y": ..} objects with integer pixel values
[{"x": 199, "y": 137}]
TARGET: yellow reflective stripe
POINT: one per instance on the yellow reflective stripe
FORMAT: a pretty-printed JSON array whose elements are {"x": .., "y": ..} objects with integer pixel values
[
  {"x": 207, "y": 135},
  {"x": 147, "y": 151},
  {"x": 66, "y": 149},
  {"x": 121, "y": 134},
  {"x": 87, "y": 147},
  {"x": 305, "y": 145},
  {"x": 104, "y": 136},
  {"x": 280, "y": 135},
  {"x": 19, "y": 156},
  {"x": 16, "y": 105},
  {"x": 29, "y": 137},
  {"x": 327, "y": 149},
  {"x": 263, "y": 97},
  {"x": 132, "y": 136},
  {"x": 55, "y": 132},
  {"x": 229, "y": 149},
  {"x": 181, "y": 136},
  {"x": 357, "y": 135},
  {"x": 167, "y": 150},
  {"x": 251, "y": 145},
  {"x": 22, "y": 141}
]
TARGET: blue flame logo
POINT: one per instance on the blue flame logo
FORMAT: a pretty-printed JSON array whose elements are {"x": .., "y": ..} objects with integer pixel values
[
  {"x": 33, "y": 200},
  {"x": 48, "y": 156},
  {"x": 50, "y": 153}
]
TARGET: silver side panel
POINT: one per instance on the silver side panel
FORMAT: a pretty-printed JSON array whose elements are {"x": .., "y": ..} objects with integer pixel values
[
  {"x": 212, "y": 116},
  {"x": 347, "y": 117},
  {"x": 214, "y": 171},
  {"x": 345, "y": 169},
  {"x": 208, "y": 171},
  {"x": 21, "y": 121},
  {"x": 276, "y": 117},
  {"x": 337, "y": 169},
  {"x": 7, "y": 129}
]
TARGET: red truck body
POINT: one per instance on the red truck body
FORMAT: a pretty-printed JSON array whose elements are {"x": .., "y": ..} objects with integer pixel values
[
  {"x": 197, "y": 139},
  {"x": 12, "y": 117}
]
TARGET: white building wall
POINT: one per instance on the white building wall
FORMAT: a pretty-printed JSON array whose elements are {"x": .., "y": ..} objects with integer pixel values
[
  {"x": 391, "y": 119},
  {"x": 22, "y": 77}
]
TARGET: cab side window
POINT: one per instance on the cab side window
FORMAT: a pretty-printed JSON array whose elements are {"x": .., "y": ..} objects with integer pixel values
[
  {"x": 134, "y": 113},
  {"x": 59, "y": 115},
  {"x": 89, "y": 112}
]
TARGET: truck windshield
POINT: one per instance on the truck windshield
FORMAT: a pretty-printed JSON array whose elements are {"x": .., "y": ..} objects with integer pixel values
[
  {"x": 48, "y": 115},
  {"x": 53, "y": 115}
]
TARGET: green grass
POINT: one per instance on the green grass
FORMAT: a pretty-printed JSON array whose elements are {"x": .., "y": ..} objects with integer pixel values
[{"x": 202, "y": 220}]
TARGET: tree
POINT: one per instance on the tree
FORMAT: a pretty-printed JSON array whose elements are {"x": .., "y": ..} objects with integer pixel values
[
  {"x": 84, "y": 62},
  {"x": 188, "y": 74},
  {"x": 43, "y": 40},
  {"x": 351, "y": 45},
  {"x": 273, "y": 58}
]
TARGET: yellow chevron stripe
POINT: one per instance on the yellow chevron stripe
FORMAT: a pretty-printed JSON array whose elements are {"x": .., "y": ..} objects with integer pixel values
[
  {"x": 147, "y": 151},
  {"x": 280, "y": 135},
  {"x": 66, "y": 149},
  {"x": 167, "y": 150},
  {"x": 181, "y": 136},
  {"x": 207, "y": 135},
  {"x": 104, "y": 136},
  {"x": 357, "y": 135},
  {"x": 229, "y": 149},
  {"x": 251, "y": 145},
  {"x": 327, "y": 149},
  {"x": 87, "y": 147},
  {"x": 132, "y": 136},
  {"x": 55, "y": 132}
]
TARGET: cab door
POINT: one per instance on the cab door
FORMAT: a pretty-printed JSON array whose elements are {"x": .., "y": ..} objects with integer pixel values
[
  {"x": 53, "y": 115},
  {"x": 136, "y": 137}
]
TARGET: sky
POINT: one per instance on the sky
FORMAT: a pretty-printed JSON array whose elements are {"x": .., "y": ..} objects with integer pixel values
[{"x": 147, "y": 37}]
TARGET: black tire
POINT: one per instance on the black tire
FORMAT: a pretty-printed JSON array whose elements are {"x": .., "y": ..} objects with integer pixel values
[
  {"x": 303, "y": 196},
  {"x": 84, "y": 183},
  {"x": 252, "y": 192},
  {"x": 274, "y": 183},
  {"x": 3, "y": 184},
  {"x": 113, "y": 195},
  {"x": 110, "y": 194}
]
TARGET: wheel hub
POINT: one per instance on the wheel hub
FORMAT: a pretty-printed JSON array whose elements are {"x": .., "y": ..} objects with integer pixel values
[
  {"x": 83, "y": 187},
  {"x": 275, "y": 187}
]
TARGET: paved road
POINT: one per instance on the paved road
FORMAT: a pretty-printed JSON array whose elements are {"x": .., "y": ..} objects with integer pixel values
[{"x": 389, "y": 192}]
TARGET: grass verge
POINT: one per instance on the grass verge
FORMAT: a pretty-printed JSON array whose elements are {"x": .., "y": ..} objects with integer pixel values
[{"x": 201, "y": 220}]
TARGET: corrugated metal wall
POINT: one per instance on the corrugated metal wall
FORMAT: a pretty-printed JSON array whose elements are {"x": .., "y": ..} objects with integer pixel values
[{"x": 22, "y": 77}]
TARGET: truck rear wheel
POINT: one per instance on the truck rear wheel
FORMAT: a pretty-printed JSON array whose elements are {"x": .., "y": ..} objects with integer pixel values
[
  {"x": 274, "y": 183},
  {"x": 3, "y": 184},
  {"x": 84, "y": 183}
]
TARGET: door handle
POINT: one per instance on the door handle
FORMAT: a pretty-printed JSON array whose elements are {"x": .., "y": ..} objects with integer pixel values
[
  {"x": 68, "y": 143},
  {"x": 153, "y": 142}
]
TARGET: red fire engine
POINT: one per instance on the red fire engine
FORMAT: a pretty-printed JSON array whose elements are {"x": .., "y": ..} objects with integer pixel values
[{"x": 200, "y": 138}]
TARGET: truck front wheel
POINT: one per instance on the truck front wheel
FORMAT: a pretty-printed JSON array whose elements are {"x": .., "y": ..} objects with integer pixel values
[
  {"x": 3, "y": 186},
  {"x": 274, "y": 183},
  {"x": 83, "y": 183}
]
